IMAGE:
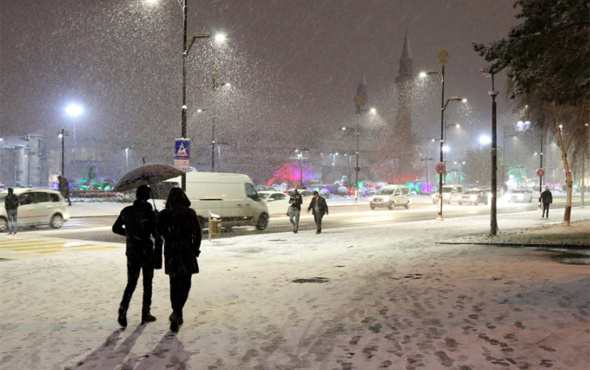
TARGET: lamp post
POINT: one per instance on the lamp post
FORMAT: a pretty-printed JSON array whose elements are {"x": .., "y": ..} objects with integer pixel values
[
  {"x": 61, "y": 135},
  {"x": 359, "y": 102},
  {"x": 443, "y": 56},
  {"x": 494, "y": 154},
  {"x": 185, "y": 50},
  {"x": 299, "y": 152},
  {"x": 215, "y": 85},
  {"x": 357, "y": 168}
]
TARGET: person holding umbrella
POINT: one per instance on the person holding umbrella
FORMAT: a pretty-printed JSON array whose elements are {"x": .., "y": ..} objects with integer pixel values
[
  {"x": 138, "y": 224},
  {"x": 180, "y": 228}
]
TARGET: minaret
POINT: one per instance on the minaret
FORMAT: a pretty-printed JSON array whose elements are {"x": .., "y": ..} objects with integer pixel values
[{"x": 404, "y": 84}]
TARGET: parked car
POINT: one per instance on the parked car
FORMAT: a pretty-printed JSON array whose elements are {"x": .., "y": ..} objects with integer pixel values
[
  {"x": 521, "y": 196},
  {"x": 391, "y": 196},
  {"x": 36, "y": 207},
  {"x": 277, "y": 202},
  {"x": 450, "y": 193},
  {"x": 474, "y": 196}
]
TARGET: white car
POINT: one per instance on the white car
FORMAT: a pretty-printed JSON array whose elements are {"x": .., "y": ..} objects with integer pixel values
[
  {"x": 521, "y": 196},
  {"x": 36, "y": 207},
  {"x": 277, "y": 202}
]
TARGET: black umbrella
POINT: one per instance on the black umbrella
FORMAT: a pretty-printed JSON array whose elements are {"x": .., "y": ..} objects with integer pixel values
[{"x": 146, "y": 175}]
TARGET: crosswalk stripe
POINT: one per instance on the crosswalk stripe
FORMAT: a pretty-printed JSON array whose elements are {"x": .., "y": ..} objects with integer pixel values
[{"x": 49, "y": 245}]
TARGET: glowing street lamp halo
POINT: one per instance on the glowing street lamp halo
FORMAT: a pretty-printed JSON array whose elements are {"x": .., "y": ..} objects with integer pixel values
[{"x": 74, "y": 110}]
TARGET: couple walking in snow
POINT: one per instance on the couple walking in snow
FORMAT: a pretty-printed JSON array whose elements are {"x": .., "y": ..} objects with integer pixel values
[
  {"x": 179, "y": 227},
  {"x": 317, "y": 205}
]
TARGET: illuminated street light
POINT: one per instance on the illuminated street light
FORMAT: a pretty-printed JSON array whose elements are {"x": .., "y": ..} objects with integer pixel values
[
  {"x": 185, "y": 50},
  {"x": 443, "y": 58},
  {"x": 485, "y": 140}
]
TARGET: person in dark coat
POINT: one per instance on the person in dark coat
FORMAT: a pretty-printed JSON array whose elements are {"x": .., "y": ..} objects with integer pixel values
[
  {"x": 138, "y": 224},
  {"x": 546, "y": 198},
  {"x": 319, "y": 207},
  {"x": 11, "y": 206},
  {"x": 179, "y": 226},
  {"x": 64, "y": 188},
  {"x": 295, "y": 209}
]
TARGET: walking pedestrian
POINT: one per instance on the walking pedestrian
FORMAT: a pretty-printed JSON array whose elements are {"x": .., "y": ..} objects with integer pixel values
[
  {"x": 319, "y": 207},
  {"x": 180, "y": 228},
  {"x": 546, "y": 198},
  {"x": 295, "y": 209},
  {"x": 138, "y": 224},
  {"x": 11, "y": 206}
]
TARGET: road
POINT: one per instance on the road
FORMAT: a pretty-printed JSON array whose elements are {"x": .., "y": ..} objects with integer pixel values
[{"x": 99, "y": 228}]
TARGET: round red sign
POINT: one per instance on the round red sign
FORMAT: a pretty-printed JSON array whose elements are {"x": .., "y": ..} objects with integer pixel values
[
  {"x": 540, "y": 172},
  {"x": 440, "y": 168}
]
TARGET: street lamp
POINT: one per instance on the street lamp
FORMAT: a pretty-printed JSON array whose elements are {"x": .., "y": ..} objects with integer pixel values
[
  {"x": 300, "y": 152},
  {"x": 359, "y": 102},
  {"x": 494, "y": 154},
  {"x": 443, "y": 56},
  {"x": 61, "y": 135},
  {"x": 185, "y": 50},
  {"x": 357, "y": 168},
  {"x": 215, "y": 85}
]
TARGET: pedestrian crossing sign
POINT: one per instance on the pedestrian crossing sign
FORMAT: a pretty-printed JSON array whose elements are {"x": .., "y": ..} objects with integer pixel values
[{"x": 182, "y": 149}]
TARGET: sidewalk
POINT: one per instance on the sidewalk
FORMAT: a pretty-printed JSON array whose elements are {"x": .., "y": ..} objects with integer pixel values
[{"x": 370, "y": 297}]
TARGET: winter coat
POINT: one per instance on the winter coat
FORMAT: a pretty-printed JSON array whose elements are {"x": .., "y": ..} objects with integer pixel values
[
  {"x": 295, "y": 200},
  {"x": 322, "y": 205},
  {"x": 138, "y": 224},
  {"x": 546, "y": 197},
  {"x": 181, "y": 231},
  {"x": 11, "y": 202}
]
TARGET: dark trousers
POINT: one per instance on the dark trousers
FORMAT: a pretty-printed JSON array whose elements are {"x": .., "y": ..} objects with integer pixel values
[
  {"x": 545, "y": 209},
  {"x": 317, "y": 217},
  {"x": 135, "y": 264},
  {"x": 180, "y": 286},
  {"x": 294, "y": 217}
]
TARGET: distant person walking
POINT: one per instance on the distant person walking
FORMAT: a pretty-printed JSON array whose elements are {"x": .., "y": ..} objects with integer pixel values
[
  {"x": 64, "y": 188},
  {"x": 180, "y": 228},
  {"x": 295, "y": 209},
  {"x": 546, "y": 198},
  {"x": 138, "y": 224},
  {"x": 319, "y": 208},
  {"x": 11, "y": 206}
]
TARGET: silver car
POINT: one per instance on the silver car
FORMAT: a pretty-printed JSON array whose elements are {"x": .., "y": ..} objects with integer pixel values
[{"x": 36, "y": 207}]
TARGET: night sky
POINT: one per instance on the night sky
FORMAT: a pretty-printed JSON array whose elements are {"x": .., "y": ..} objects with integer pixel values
[{"x": 294, "y": 67}]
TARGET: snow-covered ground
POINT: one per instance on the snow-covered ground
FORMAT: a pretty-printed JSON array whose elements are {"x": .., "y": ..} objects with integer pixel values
[{"x": 370, "y": 297}]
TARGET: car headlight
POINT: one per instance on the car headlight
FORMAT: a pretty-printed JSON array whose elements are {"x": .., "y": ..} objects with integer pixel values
[
  {"x": 473, "y": 197},
  {"x": 370, "y": 199},
  {"x": 386, "y": 199},
  {"x": 446, "y": 195}
]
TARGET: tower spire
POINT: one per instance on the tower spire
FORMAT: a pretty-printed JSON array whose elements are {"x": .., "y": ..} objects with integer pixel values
[{"x": 406, "y": 54}]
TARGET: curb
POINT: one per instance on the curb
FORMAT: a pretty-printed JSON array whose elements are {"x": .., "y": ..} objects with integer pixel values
[{"x": 534, "y": 245}]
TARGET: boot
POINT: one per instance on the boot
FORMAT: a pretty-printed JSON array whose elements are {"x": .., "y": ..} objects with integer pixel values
[
  {"x": 147, "y": 317},
  {"x": 175, "y": 322},
  {"x": 122, "y": 316}
]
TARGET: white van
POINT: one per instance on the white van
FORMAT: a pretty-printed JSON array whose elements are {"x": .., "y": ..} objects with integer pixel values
[
  {"x": 391, "y": 196},
  {"x": 229, "y": 195}
]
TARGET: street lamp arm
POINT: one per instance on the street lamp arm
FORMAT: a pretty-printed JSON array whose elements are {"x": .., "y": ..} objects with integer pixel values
[{"x": 196, "y": 36}]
